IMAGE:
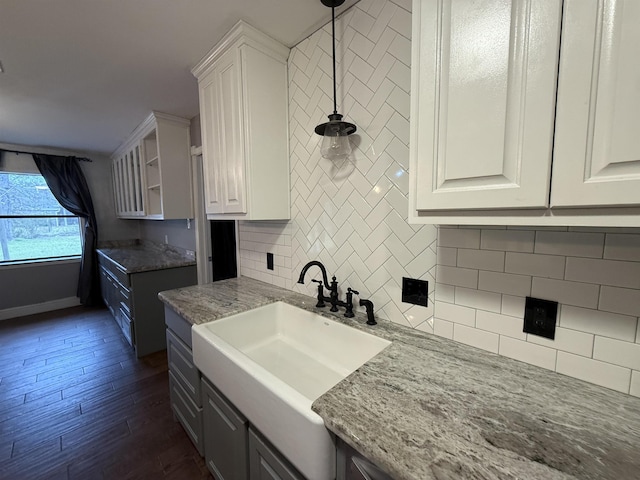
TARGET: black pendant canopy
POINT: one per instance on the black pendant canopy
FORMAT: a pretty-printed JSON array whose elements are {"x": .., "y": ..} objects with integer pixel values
[{"x": 335, "y": 126}]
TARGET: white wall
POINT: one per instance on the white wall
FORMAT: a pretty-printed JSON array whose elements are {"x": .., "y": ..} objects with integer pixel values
[
  {"x": 178, "y": 233},
  {"x": 351, "y": 216}
]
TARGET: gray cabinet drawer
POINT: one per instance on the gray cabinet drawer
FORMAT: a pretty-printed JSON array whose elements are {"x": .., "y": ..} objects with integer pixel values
[
  {"x": 180, "y": 358},
  {"x": 265, "y": 463},
  {"x": 178, "y": 325},
  {"x": 225, "y": 438},
  {"x": 124, "y": 321},
  {"x": 188, "y": 414}
]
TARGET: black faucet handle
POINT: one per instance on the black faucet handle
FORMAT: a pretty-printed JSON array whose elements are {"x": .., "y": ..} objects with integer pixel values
[
  {"x": 320, "y": 297},
  {"x": 349, "y": 303}
]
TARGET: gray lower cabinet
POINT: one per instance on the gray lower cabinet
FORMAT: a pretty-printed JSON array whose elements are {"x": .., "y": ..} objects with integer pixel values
[
  {"x": 266, "y": 463},
  {"x": 225, "y": 442},
  {"x": 184, "y": 379},
  {"x": 351, "y": 465},
  {"x": 132, "y": 299}
]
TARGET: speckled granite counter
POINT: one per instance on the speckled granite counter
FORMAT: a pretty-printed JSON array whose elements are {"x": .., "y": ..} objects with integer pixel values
[
  {"x": 136, "y": 256},
  {"x": 429, "y": 408}
]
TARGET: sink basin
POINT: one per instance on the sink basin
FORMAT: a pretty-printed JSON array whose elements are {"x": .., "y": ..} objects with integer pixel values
[{"x": 272, "y": 362}]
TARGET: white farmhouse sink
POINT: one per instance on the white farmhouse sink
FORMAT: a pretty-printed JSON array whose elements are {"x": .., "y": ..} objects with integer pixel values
[{"x": 272, "y": 362}]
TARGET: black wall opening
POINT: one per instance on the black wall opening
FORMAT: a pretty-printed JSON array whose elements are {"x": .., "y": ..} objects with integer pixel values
[{"x": 223, "y": 249}]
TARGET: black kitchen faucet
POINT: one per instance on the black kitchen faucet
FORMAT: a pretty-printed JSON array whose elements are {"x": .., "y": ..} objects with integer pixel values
[{"x": 333, "y": 294}]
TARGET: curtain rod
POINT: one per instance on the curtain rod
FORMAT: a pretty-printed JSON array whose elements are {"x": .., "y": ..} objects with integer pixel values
[{"x": 80, "y": 159}]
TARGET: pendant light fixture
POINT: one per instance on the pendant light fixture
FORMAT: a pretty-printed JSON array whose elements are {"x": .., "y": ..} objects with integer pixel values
[{"x": 335, "y": 133}]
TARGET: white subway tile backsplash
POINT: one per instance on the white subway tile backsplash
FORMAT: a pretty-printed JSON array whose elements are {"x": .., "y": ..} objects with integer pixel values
[
  {"x": 443, "y": 328},
  {"x": 598, "y": 332},
  {"x": 527, "y": 352},
  {"x": 605, "y": 272},
  {"x": 567, "y": 340},
  {"x": 461, "y": 277},
  {"x": 458, "y": 237},
  {"x": 401, "y": 22},
  {"x": 575, "y": 244},
  {"x": 456, "y": 313},
  {"x": 562, "y": 291},
  {"x": 620, "y": 300},
  {"x": 594, "y": 371},
  {"x": 480, "y": 259},
  {"x": 400, "y": 74},
  {"x": 478, "y": 299},
  {"x": 508, "y": 283},
  {"x": 613, "y": 325},
  {"x": 507, "y": 240},
  {"x": 635, "y": 384},
  {"x": 502, "y": 324},
  {"x": 513, "y": 306},
  {"x": 549, "y": 266},
  {"x": 445, "y": 293},
  {"x": 447, "y": 256},
  {"x": 622, "y": 247},
  {"x": 624, "y": 354},
  {"x": 476, "y": 338}
]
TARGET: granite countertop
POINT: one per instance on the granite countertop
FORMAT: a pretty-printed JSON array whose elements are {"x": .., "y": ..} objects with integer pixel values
[
  {"x": 429, "y": 408},
  {"x": 135, "y": 256}
]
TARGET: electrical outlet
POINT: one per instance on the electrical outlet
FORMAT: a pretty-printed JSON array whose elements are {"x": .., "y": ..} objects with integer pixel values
[
  {"x": 540, "y": 317},
  {"x": 269, "y": 261},
  {"x": 415, "y": 291}
]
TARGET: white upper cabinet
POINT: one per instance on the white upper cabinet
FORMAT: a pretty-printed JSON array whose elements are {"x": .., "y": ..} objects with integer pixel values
[
  {"x": 485, "y": 90},
  {"x": 152, "y": 170},
  {"x": 511, "y": 126},
  {"x": 244, "y": 118},
  {"x": 597, "y": 150}
]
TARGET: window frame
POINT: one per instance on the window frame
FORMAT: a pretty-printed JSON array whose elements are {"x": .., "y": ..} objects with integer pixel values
[{"x": 28, "y": 168}]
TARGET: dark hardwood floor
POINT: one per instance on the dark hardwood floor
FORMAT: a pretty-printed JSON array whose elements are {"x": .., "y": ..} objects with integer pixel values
[{"x": 76, "y": 403}]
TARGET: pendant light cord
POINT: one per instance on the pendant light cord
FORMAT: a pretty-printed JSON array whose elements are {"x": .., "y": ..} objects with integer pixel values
[{"x": 333, "y": 35}]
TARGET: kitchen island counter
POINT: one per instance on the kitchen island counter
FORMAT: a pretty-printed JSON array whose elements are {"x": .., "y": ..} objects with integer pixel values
[{"x": 430, "y": 408}]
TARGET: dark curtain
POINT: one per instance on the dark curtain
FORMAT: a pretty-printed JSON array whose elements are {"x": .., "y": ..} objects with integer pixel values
[{"x": 67, "y": 183}]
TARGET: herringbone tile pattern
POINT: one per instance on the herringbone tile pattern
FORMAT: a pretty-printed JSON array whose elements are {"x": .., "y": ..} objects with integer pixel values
[{"x": 352, "y": 215}]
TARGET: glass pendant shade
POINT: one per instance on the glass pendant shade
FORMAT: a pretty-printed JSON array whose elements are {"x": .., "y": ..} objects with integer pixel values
[{"x": 335, "y": 140}]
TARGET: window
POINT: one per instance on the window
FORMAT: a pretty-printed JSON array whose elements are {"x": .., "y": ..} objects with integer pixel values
[{"x": 33, "y": 225}]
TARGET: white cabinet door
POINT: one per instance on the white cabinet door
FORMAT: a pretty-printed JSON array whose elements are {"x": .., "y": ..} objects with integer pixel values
[
  {"x": 484, "y": 84},
  {"x": 221, "y": 103},
  {"x": 210, "y": 145},
  {"x": 230, "y": 131},
  {"x": 597, "y": 145}
]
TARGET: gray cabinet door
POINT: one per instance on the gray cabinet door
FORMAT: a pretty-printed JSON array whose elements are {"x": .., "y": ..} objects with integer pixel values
[
  {"x": 265, "y": 463},
  {"x": 225, "y": 436}
]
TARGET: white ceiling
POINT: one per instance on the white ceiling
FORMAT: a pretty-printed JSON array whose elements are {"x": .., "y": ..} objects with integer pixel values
[{"x": 82, "y": 74}]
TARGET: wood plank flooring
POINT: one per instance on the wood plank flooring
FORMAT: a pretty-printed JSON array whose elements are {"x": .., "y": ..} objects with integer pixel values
[{"x": 76, "y": 403}]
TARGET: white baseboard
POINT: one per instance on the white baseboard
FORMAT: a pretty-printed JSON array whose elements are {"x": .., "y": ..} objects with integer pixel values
[{"x": 21, "y": 311}]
